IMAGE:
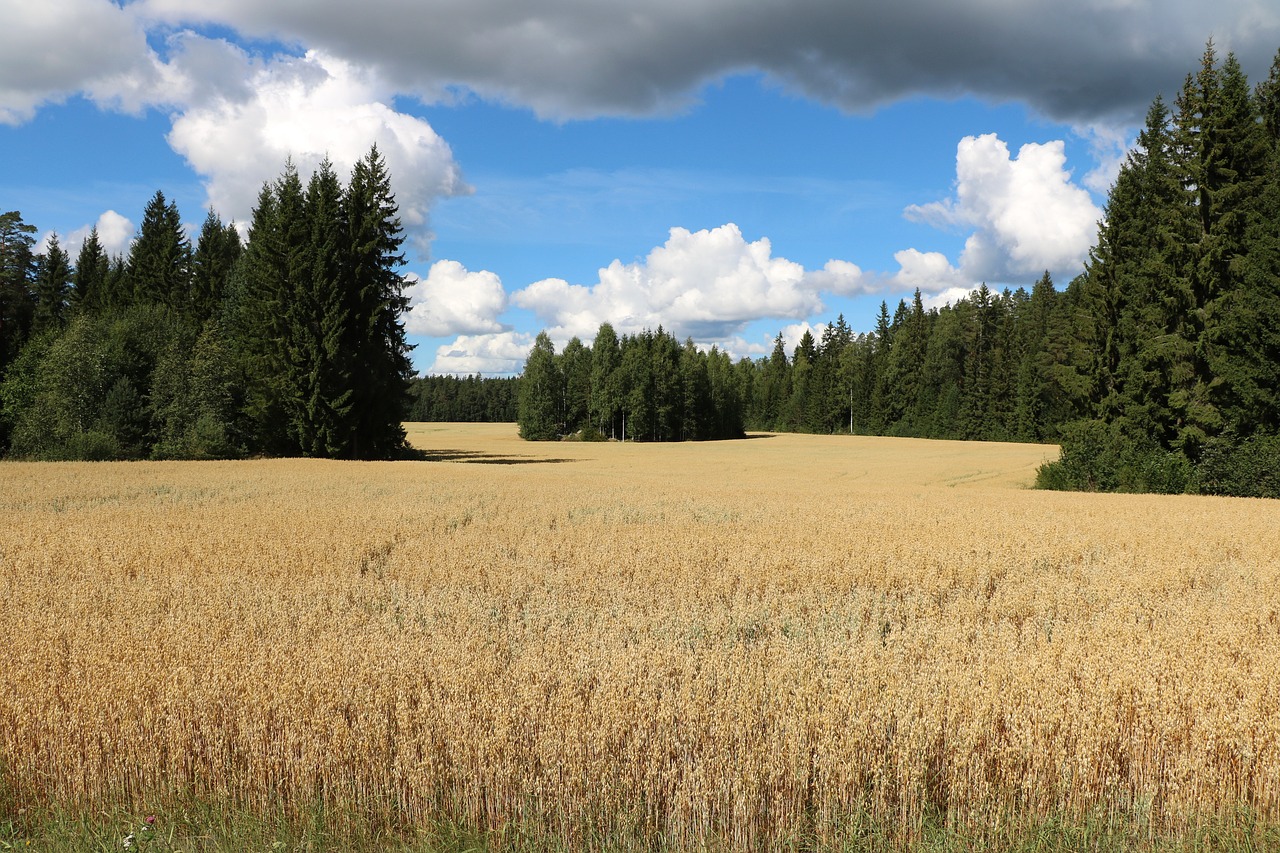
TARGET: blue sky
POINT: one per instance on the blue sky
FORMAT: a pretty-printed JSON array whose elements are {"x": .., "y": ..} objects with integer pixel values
[{"x": 726, "y": 168}]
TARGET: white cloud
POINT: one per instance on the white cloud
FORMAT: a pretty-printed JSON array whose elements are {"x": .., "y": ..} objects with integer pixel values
[
  {"x": 115, "y": 233},
  {"x": 706, "y": 284},
  {"x": 304, "y": 108},
  {"x": 841, "y": 277},
  {"x": 929, "y": 272},
  {"x": 503, "y": 353},
  {"x": 454, "y": 301},
  {"x": 1026, "y": 213},
  {"x": 949, "y": 296},
  {"x": 54, "y": 48}
]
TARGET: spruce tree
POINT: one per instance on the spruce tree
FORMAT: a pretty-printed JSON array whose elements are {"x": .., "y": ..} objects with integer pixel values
[
  {"x": 217, "y": 250},
  {"x": 159, "y": 264},
  {"x": 52, "y": 288},
  {"x": 89, "y": 281},
  {"x": 375, "y": 304},
  {"x": 323, "y": 417},
  {"x": 255, "y": 318}
]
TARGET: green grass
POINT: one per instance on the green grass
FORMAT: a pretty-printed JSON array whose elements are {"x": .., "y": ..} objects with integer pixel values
[{"x": 204, "y": 828}]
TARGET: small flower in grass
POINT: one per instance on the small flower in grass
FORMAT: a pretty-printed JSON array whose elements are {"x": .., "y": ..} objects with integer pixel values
[
  {"x": 151, "y": 820},
  {"x": 128, "y": 840}
]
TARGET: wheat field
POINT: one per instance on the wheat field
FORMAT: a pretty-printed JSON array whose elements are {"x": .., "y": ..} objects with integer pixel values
[{"x": 760, "y": 644}]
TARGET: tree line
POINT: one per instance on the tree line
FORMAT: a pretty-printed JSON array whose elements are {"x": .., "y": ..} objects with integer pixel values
[
  {"x": 289, "y": 343},
  {"x": 981, "y": 368}
]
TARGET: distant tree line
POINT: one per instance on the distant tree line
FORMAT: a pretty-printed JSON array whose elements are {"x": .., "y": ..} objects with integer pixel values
[
  {"x": 642, "y": 387},
  {"x": 463, "y": 399},
  {"x": 981, "y": 368},
  {"x": 288, "y": 344}
]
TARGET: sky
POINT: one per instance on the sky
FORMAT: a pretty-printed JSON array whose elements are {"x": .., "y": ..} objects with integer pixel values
[{"x": 726, "y": 169}]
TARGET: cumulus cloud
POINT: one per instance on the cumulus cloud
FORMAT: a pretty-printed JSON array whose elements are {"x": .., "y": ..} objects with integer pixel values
[
  {"x": 115, "y": 233},
  {"x": 500, "y": 354},
  {"x": 452, "y": 300},
  {"x": 705, "y": 284},
  {"x": 929, "y": 272},
  {"x": 1026, "y": 214},
  {"x": 842, "y": 278},
  {"x": 304, "y": 108},
  {"x": 1078, "y": 61}
]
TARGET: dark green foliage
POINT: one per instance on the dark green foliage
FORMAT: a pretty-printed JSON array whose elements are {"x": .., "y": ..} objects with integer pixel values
[
  {"x": 540, "y": 393},
  {"x": 196, "y": 397},
  {"x": 159, "y": 263},
  {"x": 52, "y": 288},
  {"x": 1183, "y": 291},
  {"x": 217, "y": 251},
  {"x": 89, "y": 282},
  {"x": 469, "y": 399},
  {"x": 290, "y": 345},
  {"x": 375, "y": 302},
  {"x": 644, "y": 387},
  {"x": 606, "y": 381},
  {"x": 1097, "y": 457},
  {"x": 87, "y": 392},
  {"x": 1247, "y": 467},
  {"x": 17, "y": 296}
]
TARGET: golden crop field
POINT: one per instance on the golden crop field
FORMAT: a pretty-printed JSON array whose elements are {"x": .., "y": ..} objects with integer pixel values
[{"x": 737, "y": 645}]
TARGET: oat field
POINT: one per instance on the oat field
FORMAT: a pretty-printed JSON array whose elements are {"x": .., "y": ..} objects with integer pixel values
[{"x": 788, "y": 642}]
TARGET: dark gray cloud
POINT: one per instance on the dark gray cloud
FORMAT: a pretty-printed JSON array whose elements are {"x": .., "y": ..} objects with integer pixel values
[{"x": 1090, "y": 61}]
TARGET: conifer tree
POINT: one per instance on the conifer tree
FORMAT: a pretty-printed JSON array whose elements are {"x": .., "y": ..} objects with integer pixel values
[
  {"x": 322, "y": 416},
  {"x": 575, "y": 373},
  {"x": 52, "y": 288},
  {"x": 255, "y": 317},
  {"x": 217, "y": 250},
  {"x": 375, "y": 304},
  {"x": 159, "y": 264},
  {"x": 89, "y": 281}
]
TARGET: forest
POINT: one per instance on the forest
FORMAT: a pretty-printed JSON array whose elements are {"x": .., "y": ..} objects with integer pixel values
[
  {"x": 1157, "y": 369},
  {"x": 288, "y": 344}
]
